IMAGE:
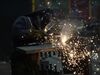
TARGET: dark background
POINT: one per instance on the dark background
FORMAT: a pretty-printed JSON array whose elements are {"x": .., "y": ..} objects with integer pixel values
[{"x": 9, "y": 11}]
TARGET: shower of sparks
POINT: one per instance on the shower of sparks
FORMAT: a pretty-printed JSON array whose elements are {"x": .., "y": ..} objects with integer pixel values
[{"x": 76, "y": 49}]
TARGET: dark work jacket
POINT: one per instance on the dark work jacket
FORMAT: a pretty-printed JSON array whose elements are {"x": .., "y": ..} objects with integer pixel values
[{"x": 32, "y": 22}]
